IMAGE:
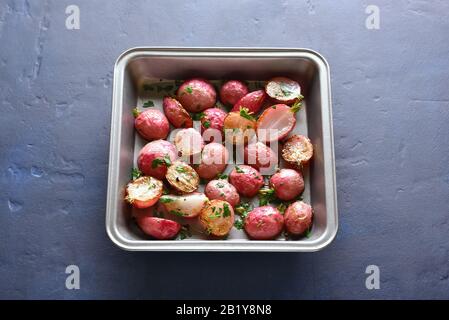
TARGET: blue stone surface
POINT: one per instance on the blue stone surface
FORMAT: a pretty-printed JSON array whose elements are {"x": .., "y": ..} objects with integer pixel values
[{"x": 391, "y": 128}]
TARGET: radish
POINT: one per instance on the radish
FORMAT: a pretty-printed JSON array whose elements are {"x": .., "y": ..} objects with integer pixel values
[{"x": 275, "y": 123}]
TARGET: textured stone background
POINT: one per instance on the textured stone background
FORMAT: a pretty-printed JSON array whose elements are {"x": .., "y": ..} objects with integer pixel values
[{"x": 391, "y": 126}]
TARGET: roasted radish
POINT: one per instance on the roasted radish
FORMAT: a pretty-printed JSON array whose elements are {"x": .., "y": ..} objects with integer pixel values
[
  {"x": 298, "y": 218},
  {"x": 232, "y": 91},
  {"x": 287, "y": 184},
  {"x": 221, "y": 189},
  {"x": 297, "y": 150},
  {"x": 176, "y": 114},
  {"x": 239, "y": 126},
  {"x": 155, "y": 157},
  {"x": 159, "y": 228},
  {"x": 143, "y": 192},
  {"x": 214, "y": 160},
  {"x": 246, "y": 180},
  {"x": 252, "y": 101},
  {"x": 189, "y": 142},
  {"x": 283, "y": 90},
  {"x": 260, "y": 156},
  {"x": 275, "y": 123},
  {"x": 197, "y": 95},
  {"x": 151, "y": 124},
  {"x": 212, "y": 120},
  {"x": 264, "y": 223},
  {"x": 217, "y": 218},
  {"x": 187, "y": 206},
  {"x": 182, "y": 177}
]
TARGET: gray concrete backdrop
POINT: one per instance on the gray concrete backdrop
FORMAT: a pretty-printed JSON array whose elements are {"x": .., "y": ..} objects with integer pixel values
[{"x": 391, "y": 126}]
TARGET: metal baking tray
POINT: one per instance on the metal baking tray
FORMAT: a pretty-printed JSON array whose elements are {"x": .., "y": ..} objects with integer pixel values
[{"x": 136, "y": 68}]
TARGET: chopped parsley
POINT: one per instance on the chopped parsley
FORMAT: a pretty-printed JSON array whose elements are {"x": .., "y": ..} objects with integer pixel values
[
  {"x": 188, "y": 89},
  {"x": 136, "y": 112},
  {"x": 297, "y": 105},
  {"x": 239, "y": 170},
  {"x": 198, "y": 116},
  {"x": 244, "y": 112},
  {"x": 166, "y": 199},
  {"x": 243, "y": 208},
  {"x": 148, "y": 104},
  {"x": 222, "y": 176},
  {"x": 135, "y": 173},
  {"x": 181, "y": 169},
  {"x": 158, "y": 161},
  {"x": 206, "y": 124},
  {"x": 238, "y": 224},
  {"x": 220, "y": 185},
  {"x": 282, "y": 207},
  {"x": 185, "y": 232},
  {"x": 178, "y": 213},
  {"x": 266, "y": 196},
  {"x": 308, "y": 233},
  {"x": 226, "y": 210}
]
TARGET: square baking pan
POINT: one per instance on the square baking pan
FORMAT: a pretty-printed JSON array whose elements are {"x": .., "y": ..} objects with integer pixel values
[{"x": 137, "y": 68}]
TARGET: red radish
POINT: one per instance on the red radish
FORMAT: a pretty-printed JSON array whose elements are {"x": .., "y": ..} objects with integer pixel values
[
  {"x": 176, "y": 114},
  {"x": 287, "y": 184},
  {"x": 246, "y": 180},
  {"x": 159, "y": 228},
  {"x": 297, "y": 150},
  {"x": 214, "y": 160},
  {"x": 143, "y": 192},
  {"x": 264, "y": 223},
  {"x": 152, "y": 124},
  {"x": 182, "y": 177},
  {"x": 239, "y": 126},
  {"x": 252, "y": 101},
  {"x": 197, "y": 95},
  {"x": 283, "y": 90},
  {"x": 259, "y": 155},
  {"x": 189, "y": 142},
  {"x": 186, "y": 206},
  {"x": 275, "y": 123},
  {"x": 212, "y": 118},
  {"x": 298, "y": 218},
  {"x": 155, "y": 157},
  {"x": 232, "y": 91}
]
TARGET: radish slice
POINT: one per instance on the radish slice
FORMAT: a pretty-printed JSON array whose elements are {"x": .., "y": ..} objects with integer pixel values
[
  {"x": 159, "y": 228},
  {"x": 275, "y": 123},
  {"x": 189, "y": 142},
  {"x": 183, "y": 177},
  {"x": 283, "y": 90},
  {"x": 297, "y": 150},
  {"x": 188, "y": 206},
  {"x": 252, "y": 101},
  {"x": 143, "y": 192}
]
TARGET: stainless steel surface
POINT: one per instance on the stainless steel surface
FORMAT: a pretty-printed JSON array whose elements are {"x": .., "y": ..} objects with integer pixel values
[{"x": 139, "y": 66}]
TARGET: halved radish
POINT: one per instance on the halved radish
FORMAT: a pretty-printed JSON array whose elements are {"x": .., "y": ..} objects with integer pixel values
[
  {"x": 143, "y": 192},
  {"x": 189, "y": 142},
  {"x": 159, "y": 228},
  {"x": 176, "y": 114},
  {"x": 252, "y": 101},
  {"x": 275, "y": 123},
  {"x": 183, "y": 177},
  {"x": 297, "y": 150},
  {"x": 187, "y": 206},
  {"x": 239, "y": 126},
  {"x": 283, "y": 90}
]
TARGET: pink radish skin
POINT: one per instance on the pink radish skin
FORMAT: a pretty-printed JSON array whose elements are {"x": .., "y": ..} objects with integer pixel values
[
  {"x": 252, "y": 101},
  {"x": 152, "y": 125},
  {"x": 232, "y": 91},
  {"x": 275, "y": 123}
]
